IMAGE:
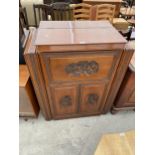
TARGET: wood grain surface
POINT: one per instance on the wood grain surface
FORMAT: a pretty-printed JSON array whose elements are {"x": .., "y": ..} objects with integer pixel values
[
  {"x": 74, "y": 66},
  {"x": 117, "y": 144},
  {"x": 28, "y": 104},
  {"x": 77, "y": 33},
  {"x": 23, "y": 75}
]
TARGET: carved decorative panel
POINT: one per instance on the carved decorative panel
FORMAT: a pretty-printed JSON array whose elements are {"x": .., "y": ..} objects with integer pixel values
[
  {"x": 92, "y": 98},
  {"x": 82, "y": 67},
  {"x": 66, "y": 101}
]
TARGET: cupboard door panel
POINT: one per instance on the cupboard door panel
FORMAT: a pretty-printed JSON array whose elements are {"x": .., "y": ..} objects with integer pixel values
[
  {"x": 91, "y": 97},
  {"x": 64, "y": 99},
  {"x": 80, "y": 67}
]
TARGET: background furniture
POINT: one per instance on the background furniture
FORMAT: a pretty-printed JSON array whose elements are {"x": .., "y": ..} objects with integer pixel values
[
  {"x": 127, "y": 12},
  {"x": 23, "y": 17},
  {"x": 125, "y": 99},
  {"x": 105, "y": 12},
  {"x": 125, "y": 27},
  {"x": 21, "y": 50},
  {"x": 117, "y": 4},
  {"x": 61, "y": 11},
  {"x": 23, "y": 33},
  {"x": 28, "y": 105},
  {"x": 56, "y": 11},
  {"x": 73, "y": 74},
  {"x": 41, "y": 12},
  {"x": 66, "y": 1},
  {"x": 81, "y": 11},
  {"x": 117, "y": 144},
  {"x": 28, "y": 4},
  {"x": 120, "y": 24}
]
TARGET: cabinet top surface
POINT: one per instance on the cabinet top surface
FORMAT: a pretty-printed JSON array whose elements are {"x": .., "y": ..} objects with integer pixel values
[{"x": 77, "y": 33}]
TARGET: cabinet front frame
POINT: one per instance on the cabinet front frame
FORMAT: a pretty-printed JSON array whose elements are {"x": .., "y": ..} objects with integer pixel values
[{"x": 44, "y": 58}]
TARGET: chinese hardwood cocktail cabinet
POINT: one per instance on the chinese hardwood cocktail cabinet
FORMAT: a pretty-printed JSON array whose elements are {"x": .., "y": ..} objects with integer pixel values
[{"x": 76, "y": 66}]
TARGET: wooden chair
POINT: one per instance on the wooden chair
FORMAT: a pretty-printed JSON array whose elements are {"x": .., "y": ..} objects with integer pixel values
[
  {"x": 66, "y": 1},
  {"x": 23, "y": 17},
  {"x": 82, "y": 11},
  {"x": 127, "y": 10},
  {"x": 61, "y": 11},
  {"x": 127, "y": 13},
  {"x": 105, "y": 12},
  {"x": 23, "y": 27},
  {"x": 41, "y": 12}
]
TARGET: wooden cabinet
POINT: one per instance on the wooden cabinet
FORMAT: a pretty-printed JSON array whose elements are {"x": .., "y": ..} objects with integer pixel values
[
  {"x": 125, "y": 98},
  {"x": 73, "y": 65}
]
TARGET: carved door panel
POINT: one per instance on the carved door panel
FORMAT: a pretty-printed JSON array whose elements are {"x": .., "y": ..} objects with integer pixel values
[
  {"x": 64, "y": 99},
  {"x": 91, "y": 97},
  {"x": 79, "y": 67}
]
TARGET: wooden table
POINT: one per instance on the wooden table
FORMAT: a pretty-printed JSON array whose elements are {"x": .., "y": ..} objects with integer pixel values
[
  {"x": 73, "y": 66},
  {"x": 117, "y": 144},
  {"x": 117, "y": 3}
]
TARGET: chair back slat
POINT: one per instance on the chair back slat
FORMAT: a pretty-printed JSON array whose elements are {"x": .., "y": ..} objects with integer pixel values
[
  {"x": 23, "y": 17},
  {"x": 61, "y": 11},
  {"x": 82, "y": 11},
  {"x": 105, "y": 12},
  {"x": 41, "y": 12}
]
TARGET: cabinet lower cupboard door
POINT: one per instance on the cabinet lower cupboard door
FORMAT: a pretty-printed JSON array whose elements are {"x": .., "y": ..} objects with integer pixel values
[
  {"x": 91, "y": 97},
  {"x": 64, "y": 99}
]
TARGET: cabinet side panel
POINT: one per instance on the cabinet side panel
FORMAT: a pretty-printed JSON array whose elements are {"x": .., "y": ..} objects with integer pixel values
[
  {"x": 118, "y": 78},
  {"x": 35, "y": 71},
  {"x": 38, "y": 83},
  {"x": 125, "y": 96}
]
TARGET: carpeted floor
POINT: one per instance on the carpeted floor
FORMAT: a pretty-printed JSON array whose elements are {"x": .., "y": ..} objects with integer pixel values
[{"x": 76, "y": 136}]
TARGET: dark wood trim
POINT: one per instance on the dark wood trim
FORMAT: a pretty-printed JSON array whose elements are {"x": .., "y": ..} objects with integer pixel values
[
  {"x": 33, "y": 64},
  {"x": 114, "y": 110},
  {"x": 120, "y": 73},
  {"x": 73, "y": 48},
  {"x": 75, "y": 115}
]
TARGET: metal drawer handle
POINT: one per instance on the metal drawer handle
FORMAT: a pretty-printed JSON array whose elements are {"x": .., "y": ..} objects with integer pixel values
[
  {"x": 92, "y": 98},
  {"x": 82, "y": 67},
  {"x": 66, "y": 101}
]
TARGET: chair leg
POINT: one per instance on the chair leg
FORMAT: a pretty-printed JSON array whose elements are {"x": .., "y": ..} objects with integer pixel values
[{"x": 129, "y": 33}]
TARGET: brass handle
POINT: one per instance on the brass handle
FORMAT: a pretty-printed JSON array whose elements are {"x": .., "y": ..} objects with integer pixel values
[
  {"x": 92, "y": 98},
  {"x": 66, "y": 101}
]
